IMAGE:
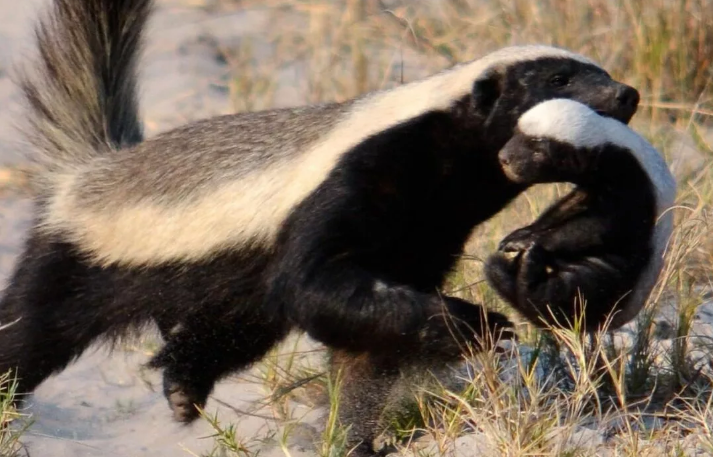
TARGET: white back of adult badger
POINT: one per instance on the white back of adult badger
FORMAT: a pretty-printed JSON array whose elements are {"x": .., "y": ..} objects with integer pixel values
[
  {"x": 138, "y": 226},
  {"x": 571, "y": 122}
]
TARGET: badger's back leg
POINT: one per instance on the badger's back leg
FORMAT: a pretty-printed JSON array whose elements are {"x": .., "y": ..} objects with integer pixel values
[
  {"x": 366, "y": 382},
  {"x": 209, "y": 346},
  {"x": 223, "y": 326},
  {"x": 54, "y": 307}
]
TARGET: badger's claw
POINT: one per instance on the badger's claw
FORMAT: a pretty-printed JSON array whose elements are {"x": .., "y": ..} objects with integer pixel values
[
  {"x": 500, "y": 327},
  {"x": 518, "y": 241}
]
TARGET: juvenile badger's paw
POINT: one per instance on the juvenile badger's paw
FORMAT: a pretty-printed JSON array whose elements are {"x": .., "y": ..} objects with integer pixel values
[
  {"x": 501, "y": 272},
  {"x": 518, "y": 274},
  {"x": 502, "y": 267},
  {"x": 460, "y": 322},
  {"x": 517, "y": 242}
]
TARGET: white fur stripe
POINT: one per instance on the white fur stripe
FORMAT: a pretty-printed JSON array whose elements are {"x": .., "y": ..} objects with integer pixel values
[{"x": 253, "y": 208}]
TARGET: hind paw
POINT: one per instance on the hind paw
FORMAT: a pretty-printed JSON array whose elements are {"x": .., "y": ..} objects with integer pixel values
[{"x": 184, "y": 403}]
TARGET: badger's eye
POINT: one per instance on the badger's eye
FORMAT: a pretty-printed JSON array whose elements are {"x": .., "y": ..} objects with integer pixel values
[{"x": 559, "y": 80}]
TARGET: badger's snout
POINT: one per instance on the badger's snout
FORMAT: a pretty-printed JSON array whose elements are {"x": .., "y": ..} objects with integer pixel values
[
  {"x": 518, "y": 160},
  {"x": 509, "y": 164},
  {"x": 628, "y": 96},
  {"x": 626, "y": 100}
]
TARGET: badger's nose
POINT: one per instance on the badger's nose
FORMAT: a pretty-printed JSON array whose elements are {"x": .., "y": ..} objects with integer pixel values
[{"x": 628, "y": 96}]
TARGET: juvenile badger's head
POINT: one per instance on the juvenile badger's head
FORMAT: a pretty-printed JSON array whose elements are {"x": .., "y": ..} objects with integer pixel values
[
  {"x": 561, "y": 140},
  {"x": 554, "y": 142}
]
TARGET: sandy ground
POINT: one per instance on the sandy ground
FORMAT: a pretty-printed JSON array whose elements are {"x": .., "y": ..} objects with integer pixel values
[{"x": 105, "y": 405}]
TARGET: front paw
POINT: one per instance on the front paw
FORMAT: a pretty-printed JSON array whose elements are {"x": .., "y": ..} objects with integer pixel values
[{"x": 474, "y": 321}]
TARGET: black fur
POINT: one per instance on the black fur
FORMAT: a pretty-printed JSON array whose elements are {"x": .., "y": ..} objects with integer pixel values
[
  {"x": 593, "y": 244},
  {"x": 357, "y": 265}
]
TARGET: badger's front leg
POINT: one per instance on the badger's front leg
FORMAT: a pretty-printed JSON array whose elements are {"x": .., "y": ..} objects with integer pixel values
[
  {"x": 365, "y": 384},
  {"x": 209, "y": 345},
  {"x": 343, "y": 305}
]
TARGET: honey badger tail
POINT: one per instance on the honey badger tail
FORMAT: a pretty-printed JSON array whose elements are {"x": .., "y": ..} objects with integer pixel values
[
  {"x": 81, "y": 96},
  {"x": 82, "y": 90}
]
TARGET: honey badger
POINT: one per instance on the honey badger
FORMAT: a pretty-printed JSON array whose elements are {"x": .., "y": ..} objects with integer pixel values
[
  {"x": 340, "y": 220},
  {"x": 605, "y": 240}
]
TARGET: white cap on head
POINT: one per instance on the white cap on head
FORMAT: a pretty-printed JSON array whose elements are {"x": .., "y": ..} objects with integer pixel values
[{"x": 574, "y": 123}]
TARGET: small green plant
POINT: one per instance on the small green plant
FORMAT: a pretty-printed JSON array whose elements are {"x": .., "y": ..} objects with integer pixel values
[
  {"x": 334, "y": 437},
  {"x": 12, "y": 423},
  {"x": 227, "y": 442}
]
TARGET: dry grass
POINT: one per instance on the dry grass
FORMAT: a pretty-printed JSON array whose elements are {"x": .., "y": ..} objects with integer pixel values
[{"x": 645, "y": 392}]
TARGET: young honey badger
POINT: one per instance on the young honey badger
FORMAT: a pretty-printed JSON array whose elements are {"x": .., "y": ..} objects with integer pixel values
[
  {"x": 605, "y": 240},
  {"x": 341, "y": 220}
]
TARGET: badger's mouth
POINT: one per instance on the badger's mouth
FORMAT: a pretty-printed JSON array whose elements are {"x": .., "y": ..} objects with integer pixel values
[
  {"x": 621, "y": 117},
  {"x": 510, "y": 173},
  {"x": 622, "y": 114}
]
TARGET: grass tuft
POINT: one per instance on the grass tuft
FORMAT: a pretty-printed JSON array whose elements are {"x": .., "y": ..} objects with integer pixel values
[{"x": 12, "y": 422}]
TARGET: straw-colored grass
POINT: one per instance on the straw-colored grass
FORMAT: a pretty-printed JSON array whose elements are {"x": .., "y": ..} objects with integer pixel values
[{"x": 646, "y": 391}]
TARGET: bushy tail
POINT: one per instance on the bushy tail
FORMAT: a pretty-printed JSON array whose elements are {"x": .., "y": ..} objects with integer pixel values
[{"x": 82, "y": 91}]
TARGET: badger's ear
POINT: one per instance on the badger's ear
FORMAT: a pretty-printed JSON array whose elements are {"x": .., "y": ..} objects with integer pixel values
[{"x": 487, "y": 90}]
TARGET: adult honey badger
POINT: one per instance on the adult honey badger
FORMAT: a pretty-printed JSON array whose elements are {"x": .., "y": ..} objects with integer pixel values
[
  {"x": 340, "y": 220},
  {"x": 604, "y": 241}
]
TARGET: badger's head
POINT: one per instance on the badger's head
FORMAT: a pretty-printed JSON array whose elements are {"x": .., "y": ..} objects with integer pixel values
[
  {"x": 513, "y": 80},
  {"x": 557, "y": 141},
  {"x": 561, "y": 140}
]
